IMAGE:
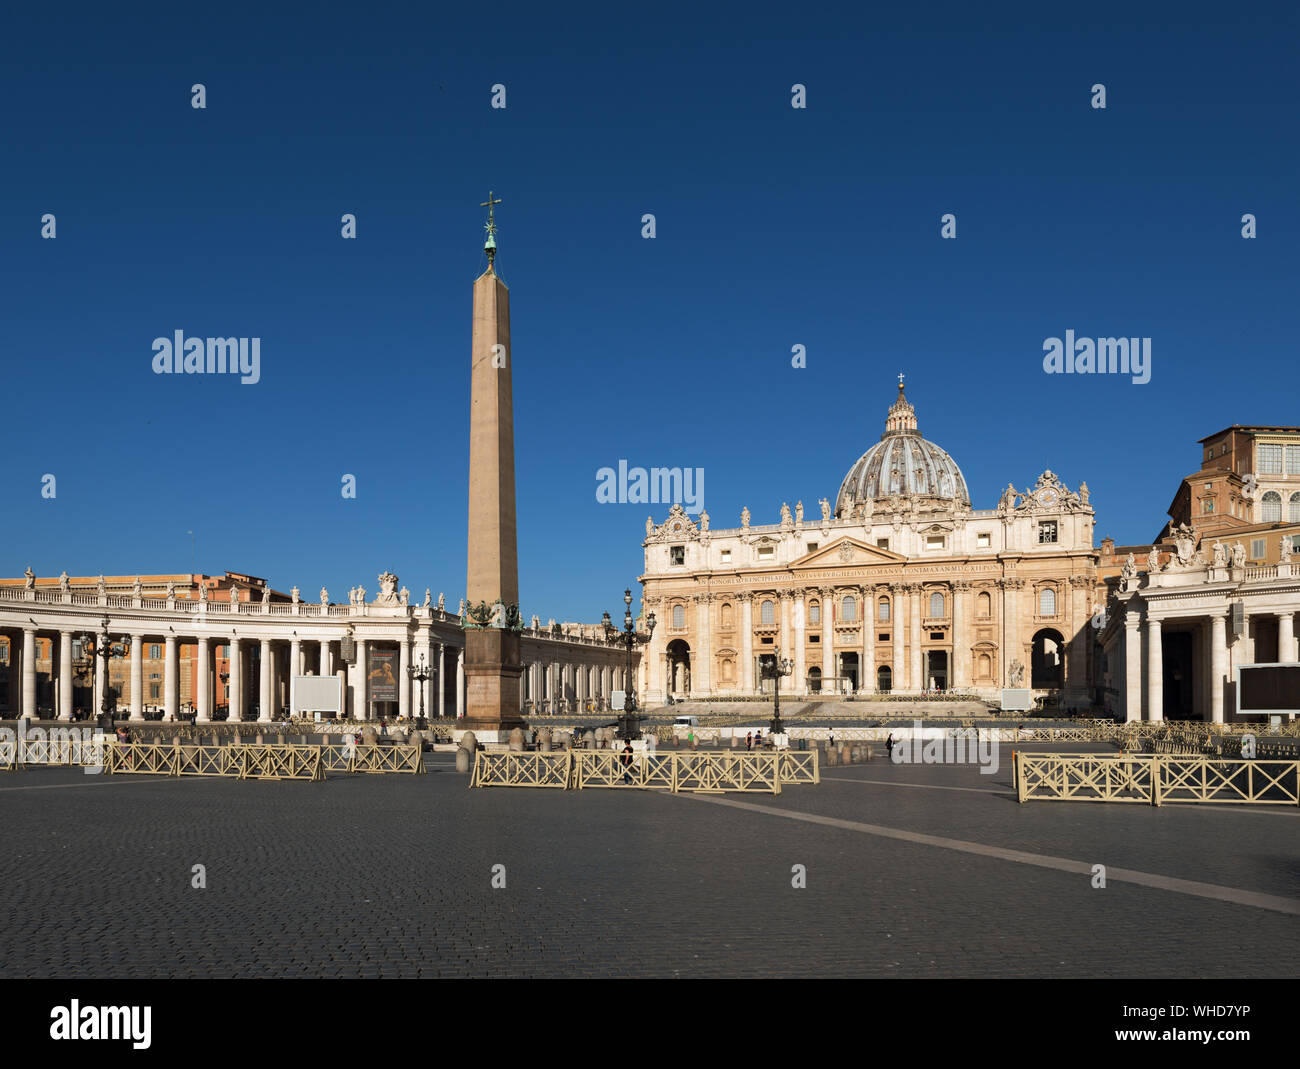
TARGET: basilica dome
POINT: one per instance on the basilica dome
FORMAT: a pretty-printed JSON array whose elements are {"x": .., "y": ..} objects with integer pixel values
[{"x": 902, "y": 463}]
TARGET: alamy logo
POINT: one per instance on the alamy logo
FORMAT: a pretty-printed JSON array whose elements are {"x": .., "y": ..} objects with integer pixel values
[
  {"x": 1099, "y": 356},
  {"x": 180, "y": 355},
  {"x": 952, "y": 746},
  {"x": 658, "y": 486},
  {"x": 76, "y": 1021},
  {"x": 52, "y": 746}
]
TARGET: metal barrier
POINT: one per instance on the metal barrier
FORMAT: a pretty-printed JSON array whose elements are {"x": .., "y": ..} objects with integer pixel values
[
  {"x": 718, "y": 773},
  {"x": 251, "y": 761},
  {"x": 800, "y": 766},
  {"x": 384, "y": 759},
  {"x": 1155, "y": 779},
  {"x": 512, "y": 769},
  {"x": 605, "y": 768},
  {"x": 667, "y": 771}
]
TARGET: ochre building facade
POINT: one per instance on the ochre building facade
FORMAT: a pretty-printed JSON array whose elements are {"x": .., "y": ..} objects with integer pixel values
[{"x": 899, "y": 585}]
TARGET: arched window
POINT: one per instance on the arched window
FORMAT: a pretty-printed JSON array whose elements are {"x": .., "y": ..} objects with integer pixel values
[
  {"x": 882, "y": 610},
  {"x": 679, "y": 616},
  {"x": 726, "y": 617},
  {"x": 985, "y": 605},
  {"x": 850, "y": 607},
  {"x": 1047, "y": 602},
  {"x": 767, "y": 613},
  {"x": 814, "y": 612},
  {"x": 936, "y": 605},
  {"x": 1272, "y": 508},
  {"x": 1293, "y": 509}
]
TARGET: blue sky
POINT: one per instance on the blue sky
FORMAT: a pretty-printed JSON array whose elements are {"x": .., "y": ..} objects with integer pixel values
[{"x": 775, "y": 227}]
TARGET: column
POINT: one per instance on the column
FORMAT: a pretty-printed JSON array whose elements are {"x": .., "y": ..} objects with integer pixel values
[
  {"x": 1285, "y": 638},
  {"x": 404, "y": 677},
  {"x": 828, "y": 639},
  {"x": 65, "y": 675},
  {"x": 747, "y": 644},
  {"x": 914, "y": 626},
  {"x": 295, "y": 670},
  {"x": 235, "y": 685},
  {"x": 897, "y": 598},
  {"x": 957, "y": 678},
  {"x": 267, "y": 683},
  {"x": 442, "y": 679},
  {"x": 1132, "y": 668},
  {"x": 202, "y": 690},
  {"x": 137, "y": 677},
  {"x": 1218, "y": 664},
  {"x": 799, "y": 681},
  {"x": 170, "y": 675},
  {"x": 867, "y": 662},
  {"x": 1155, "y": 671},
  {"x": 702, "y": 673},
  {"x": 360, "y": 706},
  {"x": 29, "y": 673},
  {"x": 460, "y": 681},
  {"x": 324, "y": 657}
]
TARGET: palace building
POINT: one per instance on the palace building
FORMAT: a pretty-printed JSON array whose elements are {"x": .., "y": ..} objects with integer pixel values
[{"x": 898, "y": 585}]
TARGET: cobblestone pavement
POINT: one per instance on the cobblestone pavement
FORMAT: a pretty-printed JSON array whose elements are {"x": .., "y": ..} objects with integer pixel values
[{"x": 391, "y": 876}]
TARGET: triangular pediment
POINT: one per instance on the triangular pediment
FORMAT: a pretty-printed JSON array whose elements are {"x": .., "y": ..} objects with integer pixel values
[{"x": 847, "y": 551}]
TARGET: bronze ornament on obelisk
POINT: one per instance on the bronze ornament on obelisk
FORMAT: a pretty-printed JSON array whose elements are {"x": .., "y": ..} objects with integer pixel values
[{"x": 492, "y": 627}]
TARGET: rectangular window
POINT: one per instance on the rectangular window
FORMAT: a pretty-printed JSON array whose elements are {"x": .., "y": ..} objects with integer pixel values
[
  {"x": 983, "y": 540},
  {"x": 936, "y": 636},
  {"x": 155, "y": 652},
  {"x": 1257, "y": 551},
  {"x": 934, "y": 542},
  {"x": 883, "y": 638},
  {"x": 766, "y": 552},
  {"x": 1270, "y": 460},
  {"x": 726, "y": 556},
  {"x": 814, "y": 638},
  {"x": 1293, "y": 460},
  {"x": 155, "y": 675},
  {"x": 153, "y": 691},
  {"x": 882, "y": 543},
  {"x": 1046, "y": 532},
  {"x": 676, "y": 554},
  {"x": 812, "y": 546}
]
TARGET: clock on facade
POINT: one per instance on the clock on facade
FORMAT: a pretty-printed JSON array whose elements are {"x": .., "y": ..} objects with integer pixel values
[{"x": 1047, "y": 497}]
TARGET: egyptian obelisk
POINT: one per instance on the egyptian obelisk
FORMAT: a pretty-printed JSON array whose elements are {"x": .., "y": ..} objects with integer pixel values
[{"x": 492, "y": 662}]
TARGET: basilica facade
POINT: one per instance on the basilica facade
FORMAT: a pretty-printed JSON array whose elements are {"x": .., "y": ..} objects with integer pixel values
[{"x": 897, "y": 586}]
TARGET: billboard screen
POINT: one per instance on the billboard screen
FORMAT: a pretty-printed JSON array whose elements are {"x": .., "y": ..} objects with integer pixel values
[
  {"x": 1268, "y": 688},
  {"x": 317, "y": 694},
  {"x": 381, "y": 676}
]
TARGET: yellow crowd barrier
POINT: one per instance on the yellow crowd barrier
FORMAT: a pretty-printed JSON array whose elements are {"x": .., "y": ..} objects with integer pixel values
[
  {"x": 245, "y": 761},
  {"x": 1155, "y": 779},
  {"x": 705, "y": 772}
]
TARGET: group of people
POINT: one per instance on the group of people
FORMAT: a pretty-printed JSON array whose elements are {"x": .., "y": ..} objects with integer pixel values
[{"x": 754, "y": 740}]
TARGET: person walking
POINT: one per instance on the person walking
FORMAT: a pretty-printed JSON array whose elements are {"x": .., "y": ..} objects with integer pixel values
[
  {"x": 749, "y": 741},
  {"x": 626, "y": 759},
  {"x": 889, "y": 745}
]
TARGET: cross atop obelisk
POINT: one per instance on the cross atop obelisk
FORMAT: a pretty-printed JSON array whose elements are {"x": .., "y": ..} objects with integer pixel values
[{"x": 490, "y": 246}]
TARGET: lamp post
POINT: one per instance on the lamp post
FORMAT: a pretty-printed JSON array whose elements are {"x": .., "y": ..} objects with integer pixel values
[
  {"x": 105, "y": 647},
  {"x": 630, "y": 638},
  {"x": 225, "y": 680},
  {"x": 780, "y": 666},
  {"x": 420, "y": 675}
]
